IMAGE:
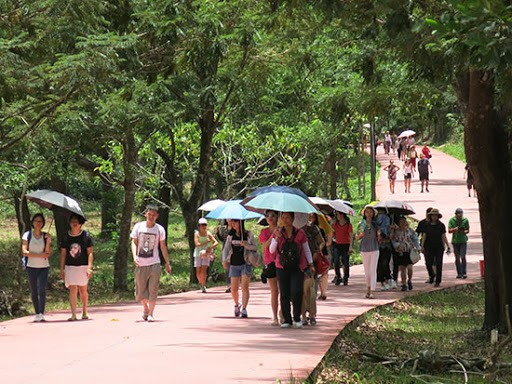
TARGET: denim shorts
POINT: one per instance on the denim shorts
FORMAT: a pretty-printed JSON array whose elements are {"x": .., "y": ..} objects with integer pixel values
[{"x": 240, "y": 270}]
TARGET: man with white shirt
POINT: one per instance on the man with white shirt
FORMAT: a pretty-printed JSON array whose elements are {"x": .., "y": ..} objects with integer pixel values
[{"x": 147, "y": 236}]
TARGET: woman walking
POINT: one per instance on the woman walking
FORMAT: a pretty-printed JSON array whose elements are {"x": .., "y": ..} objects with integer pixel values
[
  {"x": 405, "y": 241},
  {"x": 240, "y": 272},
  {"x": 76, "y": 259},
  {"x": 36, "y": 249},
  {"x": 326, "y": 232},
  {"x": 342, "y": 247},
  {"x": 392, "y": 171},
  {"x": 291, "y": 245},
  {"x": 367, "y": 234},
  {"x": 269, "y": 259},
  {"x": 408, "y": 174},
  {"x": 203, "y": 252}
]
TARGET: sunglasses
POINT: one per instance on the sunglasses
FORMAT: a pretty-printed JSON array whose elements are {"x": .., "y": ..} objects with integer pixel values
[{"x": 271, "y": 215}]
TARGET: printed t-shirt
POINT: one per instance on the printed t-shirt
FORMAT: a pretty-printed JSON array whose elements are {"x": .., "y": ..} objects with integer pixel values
[
  {"x": 76, "y": 248},
  {"x": 434, "y": 234},
  {"x": 36, "y": 246},
  {"x": 342, "y": 233},
  {"x": 148, "y": 242}
]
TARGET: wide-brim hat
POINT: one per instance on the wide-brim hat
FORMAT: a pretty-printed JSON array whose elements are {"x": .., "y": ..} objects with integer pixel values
[
  {"x": 435, "y": 211},
  {"x": 375, "y": 212}
]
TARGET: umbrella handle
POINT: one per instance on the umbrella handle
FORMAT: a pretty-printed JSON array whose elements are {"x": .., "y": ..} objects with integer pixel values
[{"x": 50, "y": 226}]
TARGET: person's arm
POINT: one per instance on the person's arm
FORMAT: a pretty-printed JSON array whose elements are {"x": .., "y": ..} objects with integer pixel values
[
  {"x": 273, "y": 245},
  {"x": 165, "y": 254},
  {"x": 197, "y": 243},
  {"x": 135, "y": 243},
  {"x": 423, "y": 239},
  {"x": 309, "y": 257},
  {"x": 328, "y": 242},
  {"x": 466, "y": 230},
  {"x": 90, "y": 261},
  {"x": 430, "y": 165},
  {"x": 451, "y": 227},
  {"x": 63, "y": 252},
  {"x": 446, "y": 243},
  {"x": 213, "y": 240},
  {"x": 415, "y": 240},
  {"x": 249, "y": 244},
  {"x": 320, "y": 240},
  {"x": 385, "y": 168}
]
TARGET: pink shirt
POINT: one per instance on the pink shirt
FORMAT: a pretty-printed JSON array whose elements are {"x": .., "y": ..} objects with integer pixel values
[
  {"x": 268, "y": 257},
  {"x": 301, "y": 239}
]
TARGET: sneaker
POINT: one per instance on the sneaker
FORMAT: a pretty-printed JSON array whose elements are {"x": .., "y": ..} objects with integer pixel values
[
  {"x": 459, "y": 277},
  {"x": 394, "y": 285},
  {"x": 345, "y": 281},
  {"x": 244, "y": 313},
  {"x": 228, "y": 290},
  {"x": 322, "y": 297},
  {"x": 72, "y": 318},
  {"x": 150, "y": 318},
  {"x": 404, "y": 288},
  {"x": 297, "y": 324},
  {"x": 41, "y": 317},
  {"x": 409, "y": 285},
  {"x": 437, "y": 284},
  {"x": 286, "y": 325},
  {"x": 338, "y": 281},
  {"x": 430, "y": 280},
  {"x": 85, "y": 316},
  {"x": 384, "y": 287},
  {"x": 237, "y": 310},
  {"x": 37, "y": 318},
  {"x": 304, "y": 320},
  {"x": 203, "y": 289},
  {"x": 145, "y": 316},
  {"x": 369, "y": 296},
  {"x": 334, "y": 280},
  {"x": 312, "y": 321},
  {"x": 464, "y": 276}
]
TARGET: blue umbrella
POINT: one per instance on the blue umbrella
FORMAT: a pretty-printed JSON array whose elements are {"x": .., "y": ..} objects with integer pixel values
[
  {"x": 232, "y": 210},
  {"x": 279, "y": 201},
  {"x": 280, "y": 189}
]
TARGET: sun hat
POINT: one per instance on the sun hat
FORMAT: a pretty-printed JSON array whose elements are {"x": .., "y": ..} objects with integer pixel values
[
  {"x": 434, "y": 211},
  {"x": 202, "y": 220},
  {"x": 375, "y": 212},
  {"x": 459, "y": 210}
]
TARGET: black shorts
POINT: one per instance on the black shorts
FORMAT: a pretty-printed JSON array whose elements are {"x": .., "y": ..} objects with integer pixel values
[
  {"x": 407, "y": 176},
  {"x": 423, "y": 175}
]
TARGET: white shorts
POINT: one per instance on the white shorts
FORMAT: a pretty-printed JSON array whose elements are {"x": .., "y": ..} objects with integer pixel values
[{"x": 75, "y": 275}]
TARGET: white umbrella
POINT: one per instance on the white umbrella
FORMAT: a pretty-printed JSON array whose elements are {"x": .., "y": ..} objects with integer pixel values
[
  {"x": 407, "y": 133},
  {"x": 56, "y": 201},
  {"x": 211, "y": 205},
  {"x": 341, "y": 206}
]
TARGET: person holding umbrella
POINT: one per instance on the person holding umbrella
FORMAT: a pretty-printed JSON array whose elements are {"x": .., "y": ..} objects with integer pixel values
[
  {"x": 36, "y": 248},
  {"x": 240, "y": 271},
  {"x": 367, "y": 233},
  {"x": 76, "y": 262},
  {"x": 294, "y": 256}
]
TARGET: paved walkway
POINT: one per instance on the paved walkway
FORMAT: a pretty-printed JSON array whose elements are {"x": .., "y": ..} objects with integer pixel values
[{"x": 197, "y": 339}]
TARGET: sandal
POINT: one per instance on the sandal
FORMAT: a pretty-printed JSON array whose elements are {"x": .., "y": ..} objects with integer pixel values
[
  {"x": 72, "y": 318},
  {"x": 85, "y": 316}
]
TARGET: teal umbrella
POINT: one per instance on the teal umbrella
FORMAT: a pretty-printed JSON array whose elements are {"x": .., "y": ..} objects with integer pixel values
[
  {"x": 279, "y": 201},
  {"x": 232, "y": 210}
]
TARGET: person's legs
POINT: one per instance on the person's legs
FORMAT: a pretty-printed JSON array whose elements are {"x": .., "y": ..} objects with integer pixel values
[
  {"x": 463, "y": 251},
  {"x": 336, "y": 260},
  {"x": 154, "y": 271},
  {"x": 284, "y": 279},
  {"x": 204, "y": 274},
  {"x": 84, "y": 298},
  {"x": 345, "y": 260},
  {"x": 439, "y": 266},
  {"x": 392, "y": 184},
  {"x": 402, "y": 275},
  {"x": 32, "y": 274},
  {"x": 409, "y": 274},
  {"x": 322, "y": 284},
  {"x": 274, "y": 297},
  {"x": 296, "y": 290},
  {"x": 458, "y": 264},
  {"x": 42, "y": 282},
  {"x": 141, "y": 289},
  {"x": 198, "y": 276},
  {"x": 73, "y": 292},
  {"x": 429, "y": 264},
  {"x": 246, "y": 279},
  {"x": 235, "y": 284},
  {"x": 426, "y": 185}
]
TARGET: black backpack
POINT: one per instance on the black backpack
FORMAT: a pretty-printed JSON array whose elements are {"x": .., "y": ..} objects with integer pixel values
[{"x": 289, "y": 256}]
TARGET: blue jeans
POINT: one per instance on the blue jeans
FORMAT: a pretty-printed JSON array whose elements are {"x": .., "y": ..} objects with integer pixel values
[
  {"x": 291, "y": 288},
  {"x": 459, "y": 250},
  {"x": 38, "y": 278}
]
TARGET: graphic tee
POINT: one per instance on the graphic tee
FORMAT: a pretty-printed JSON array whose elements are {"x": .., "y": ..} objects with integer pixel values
[
  {"x": 148, "y": 241},
  {"x": 76, "y": 248}
]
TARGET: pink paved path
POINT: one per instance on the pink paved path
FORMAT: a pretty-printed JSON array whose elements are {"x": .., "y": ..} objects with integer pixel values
[{"x": 197, "y": 339}]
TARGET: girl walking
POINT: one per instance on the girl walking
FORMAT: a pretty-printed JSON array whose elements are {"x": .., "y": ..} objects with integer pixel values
[{"x": 203, "y": 252}]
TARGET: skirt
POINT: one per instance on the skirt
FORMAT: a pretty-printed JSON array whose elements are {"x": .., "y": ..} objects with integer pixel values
[{"x": 75, "y": 275}]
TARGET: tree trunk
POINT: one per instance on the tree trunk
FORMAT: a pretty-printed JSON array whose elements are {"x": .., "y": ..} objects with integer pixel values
[
  {"x": 109, "y": 209},
  {"x": 123, "y": 246},
  {"x": 22, "y": 213},
  {"x": 61, "y": 221},
  {"x": 487, "y": 152},
  {"x": 190, "y": 215},
  {"x": 332, "y": 170},
  {"x": 164, "y": 195}
]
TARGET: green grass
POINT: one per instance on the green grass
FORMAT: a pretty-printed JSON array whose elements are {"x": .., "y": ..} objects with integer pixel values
[
  {"x": 448, "y": 322},
  {"x": 454, "y": 149}
]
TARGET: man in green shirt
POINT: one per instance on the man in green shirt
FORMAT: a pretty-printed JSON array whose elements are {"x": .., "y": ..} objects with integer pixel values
[{"x": 458, "y": 226}]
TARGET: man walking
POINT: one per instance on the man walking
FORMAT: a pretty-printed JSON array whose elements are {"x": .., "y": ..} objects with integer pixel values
[
  {"x": 458, "y": 226},
  {"x": 147, "y": 236},
  {"x": 423, "y": 167}
]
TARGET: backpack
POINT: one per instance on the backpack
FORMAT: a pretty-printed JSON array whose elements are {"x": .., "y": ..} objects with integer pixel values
[
  {"x": 24, "y": 259},
  {"x": 289, "y": 255}
]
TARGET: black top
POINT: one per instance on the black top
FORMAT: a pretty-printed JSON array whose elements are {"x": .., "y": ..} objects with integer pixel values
[
  {"x": 434, "y": 233},
  {"x": 76, "y": 248},
  {"x": 421, "y": 226},
  {"x": 237, "y": 258}
]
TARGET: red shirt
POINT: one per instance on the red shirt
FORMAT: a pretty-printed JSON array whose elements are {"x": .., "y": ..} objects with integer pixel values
[
  {"x": 265, "y": 234},
  {"x": 342, "y": 233}
]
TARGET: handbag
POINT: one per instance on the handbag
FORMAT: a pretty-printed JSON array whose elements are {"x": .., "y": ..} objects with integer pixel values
[
  {"x": 322, "y": 264},
  {"x": 415, "y": 255},
  {"x": 253, "y": 258}
]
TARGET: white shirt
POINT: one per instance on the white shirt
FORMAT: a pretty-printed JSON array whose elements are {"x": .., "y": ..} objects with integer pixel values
[
  {"x": 36, "y": 246},
  {"x": 148, "y": 241}
]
